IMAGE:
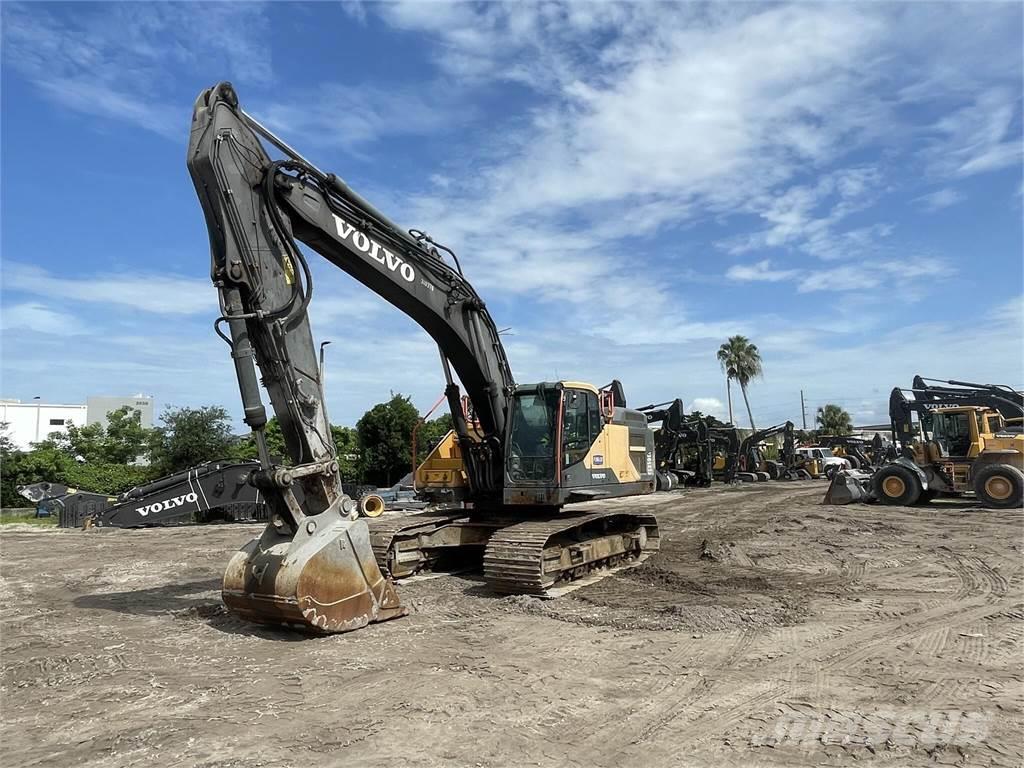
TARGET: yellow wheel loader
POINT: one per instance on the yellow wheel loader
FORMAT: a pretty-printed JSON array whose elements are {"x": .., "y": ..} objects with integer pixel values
[{"x": 967, "y": 440}]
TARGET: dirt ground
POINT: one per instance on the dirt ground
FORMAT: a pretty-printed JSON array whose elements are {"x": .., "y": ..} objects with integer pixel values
[{"x": 805, "y": 635}]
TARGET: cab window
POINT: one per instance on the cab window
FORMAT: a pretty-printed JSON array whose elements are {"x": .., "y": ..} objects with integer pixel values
[
  {"x": 581, "y": 424},
  {"x": 953, "y": 432},
  {"x": 532, "y": 435}
]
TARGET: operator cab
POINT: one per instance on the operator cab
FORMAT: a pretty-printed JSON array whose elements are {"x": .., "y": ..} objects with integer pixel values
[
  {"x": 955, "y": 431},
  {"x": 568, "y": 441}
]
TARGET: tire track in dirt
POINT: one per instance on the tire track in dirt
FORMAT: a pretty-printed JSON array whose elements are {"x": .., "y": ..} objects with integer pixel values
[
  {"x": 978, "y": 582},
  {"x": 749, "y": 703},
  {"x": 705, "y": 686},
  {"x": 970, "y": 603},
  {"x": 653, "y": 703}
]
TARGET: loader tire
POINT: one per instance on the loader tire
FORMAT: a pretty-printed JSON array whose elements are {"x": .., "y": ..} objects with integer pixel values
[
  {"x": 774, "y": 469},
  {"x": 1000, "y": 486},
  {"x": 896, "y": 485},
  {"x": 854, "y": 462}
]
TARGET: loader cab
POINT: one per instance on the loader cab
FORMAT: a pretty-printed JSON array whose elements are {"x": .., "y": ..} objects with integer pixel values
[{"x": 955, "y": 432}]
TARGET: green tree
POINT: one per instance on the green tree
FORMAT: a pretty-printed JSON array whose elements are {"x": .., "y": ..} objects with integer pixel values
[
  {"x": 46, "y": 462},
  {"x": 346, "y": 441},
  {"x": 126, "y": 438},
  {"x": 123, "y": 441},
  {"x": 245, "y": 448},
  {"x": 190, "y": 436},
  {"x": 385, "y": 440},
  {"x": 740, "y": 360},
  {"x": 833, "y": 420},
  {"x": 7, "y": 446},
  {"x": 430, "y": 433}
]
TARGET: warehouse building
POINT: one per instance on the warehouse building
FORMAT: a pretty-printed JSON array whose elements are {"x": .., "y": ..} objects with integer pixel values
[
  {"x": 34, "y": 421},
  {"x": 98, "y": 406}
]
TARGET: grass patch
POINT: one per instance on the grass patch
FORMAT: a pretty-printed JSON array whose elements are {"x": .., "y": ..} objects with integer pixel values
[
  {"x": 42, "y": 522},
  {"x": 26, "y": 516}
]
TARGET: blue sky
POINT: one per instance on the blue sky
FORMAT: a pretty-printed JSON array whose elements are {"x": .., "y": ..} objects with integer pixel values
[{"x": 626, "y": 185}]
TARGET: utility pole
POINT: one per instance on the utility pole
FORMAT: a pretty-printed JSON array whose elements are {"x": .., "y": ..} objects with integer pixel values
[
  {"x": 39, "y": 410},
  {"x": 322, "y": 345},
  {"x": 803, "y": 409}
]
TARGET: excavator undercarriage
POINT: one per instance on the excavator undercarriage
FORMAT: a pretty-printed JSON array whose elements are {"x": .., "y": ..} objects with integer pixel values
[{"x": 518, "y": 555}]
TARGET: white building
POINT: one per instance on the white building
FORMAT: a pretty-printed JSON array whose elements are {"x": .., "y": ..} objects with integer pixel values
[
  {"x": 31, "y": 422},
  {"x": 100, "y": 405},
  {"x": 34, "y": 421}
]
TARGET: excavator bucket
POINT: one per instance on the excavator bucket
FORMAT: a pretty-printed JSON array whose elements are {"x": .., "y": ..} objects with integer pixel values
[
  {"x": 849, "y": 486},
  {"x": 324, "y": 579}
]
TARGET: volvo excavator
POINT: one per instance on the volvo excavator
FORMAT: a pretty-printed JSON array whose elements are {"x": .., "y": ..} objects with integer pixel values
[
  {"x": 682, "y": 446},
  {"x": 528, "y": 450},
  {"x": 752, "y": 464}
]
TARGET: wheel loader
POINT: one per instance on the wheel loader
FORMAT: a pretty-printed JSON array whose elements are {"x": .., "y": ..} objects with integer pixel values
[{"x": 962, "y": 444}]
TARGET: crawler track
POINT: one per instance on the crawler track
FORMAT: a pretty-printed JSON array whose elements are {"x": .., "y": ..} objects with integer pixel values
[
  {"x": 529, "y": 557},
  {"x": 518, "y": 556},
  {"x": 397, "y": 541}
]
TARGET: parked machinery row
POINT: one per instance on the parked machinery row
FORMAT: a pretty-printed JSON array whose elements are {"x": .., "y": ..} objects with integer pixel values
[{"x": 694, "y": 450}]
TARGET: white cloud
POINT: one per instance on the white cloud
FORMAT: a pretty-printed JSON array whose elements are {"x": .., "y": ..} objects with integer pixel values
[
  {"x": 760, "y": 271},
  {"x": 981, "y": 137},
  {"x": 939, "y": 199},
  {"x": 32, "y": 316},
  {"x": 161, "y": 294},
  {"x": 709, "y": 406},
  {"x": 904, "y": 274},
  {"x": 350, "y": 115},
  {"x": 119, "y": 60},
  {"x": 796, "y": 216}
]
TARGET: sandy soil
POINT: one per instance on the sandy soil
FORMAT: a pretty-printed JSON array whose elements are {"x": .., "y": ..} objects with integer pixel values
[{"x": 805, "y": 635}]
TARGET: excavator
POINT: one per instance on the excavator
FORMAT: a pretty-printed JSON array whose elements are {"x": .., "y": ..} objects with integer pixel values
[
  {"x": 967, "y": 439},
  {"x": 529, "y": 450},
  {"x": 754, "y": 465},
  {"x": 746, "y": 461},
  {"x": 682, "y": 446}
]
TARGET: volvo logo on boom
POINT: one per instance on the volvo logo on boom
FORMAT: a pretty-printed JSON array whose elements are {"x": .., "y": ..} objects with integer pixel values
[
  {"x": 166, "y": 504},
  {"x": 366, "y": 244}
]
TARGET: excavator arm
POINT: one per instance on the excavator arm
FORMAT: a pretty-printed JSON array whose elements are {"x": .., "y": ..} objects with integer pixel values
[
  {"x": 676, "y": 431},
  {"x": 747, "y": 454},
  {"x": 255, "y": 209}
]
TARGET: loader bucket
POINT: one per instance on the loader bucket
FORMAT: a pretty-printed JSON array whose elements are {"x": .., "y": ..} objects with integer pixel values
[
  {"x": 324, "y": 579},
  {"x": 848, "y": 486}
]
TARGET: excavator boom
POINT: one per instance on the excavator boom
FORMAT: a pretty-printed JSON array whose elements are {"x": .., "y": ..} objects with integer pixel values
[{"x": 313, "y": 567}]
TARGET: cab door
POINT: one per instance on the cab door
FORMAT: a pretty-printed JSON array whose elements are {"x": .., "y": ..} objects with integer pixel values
[{"x": 584, "y": 443}]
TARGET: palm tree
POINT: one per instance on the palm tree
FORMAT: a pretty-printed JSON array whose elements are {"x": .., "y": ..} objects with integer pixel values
[
  {"x": 741, "y": 361},
  {"x": 834, "y": 420}
]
